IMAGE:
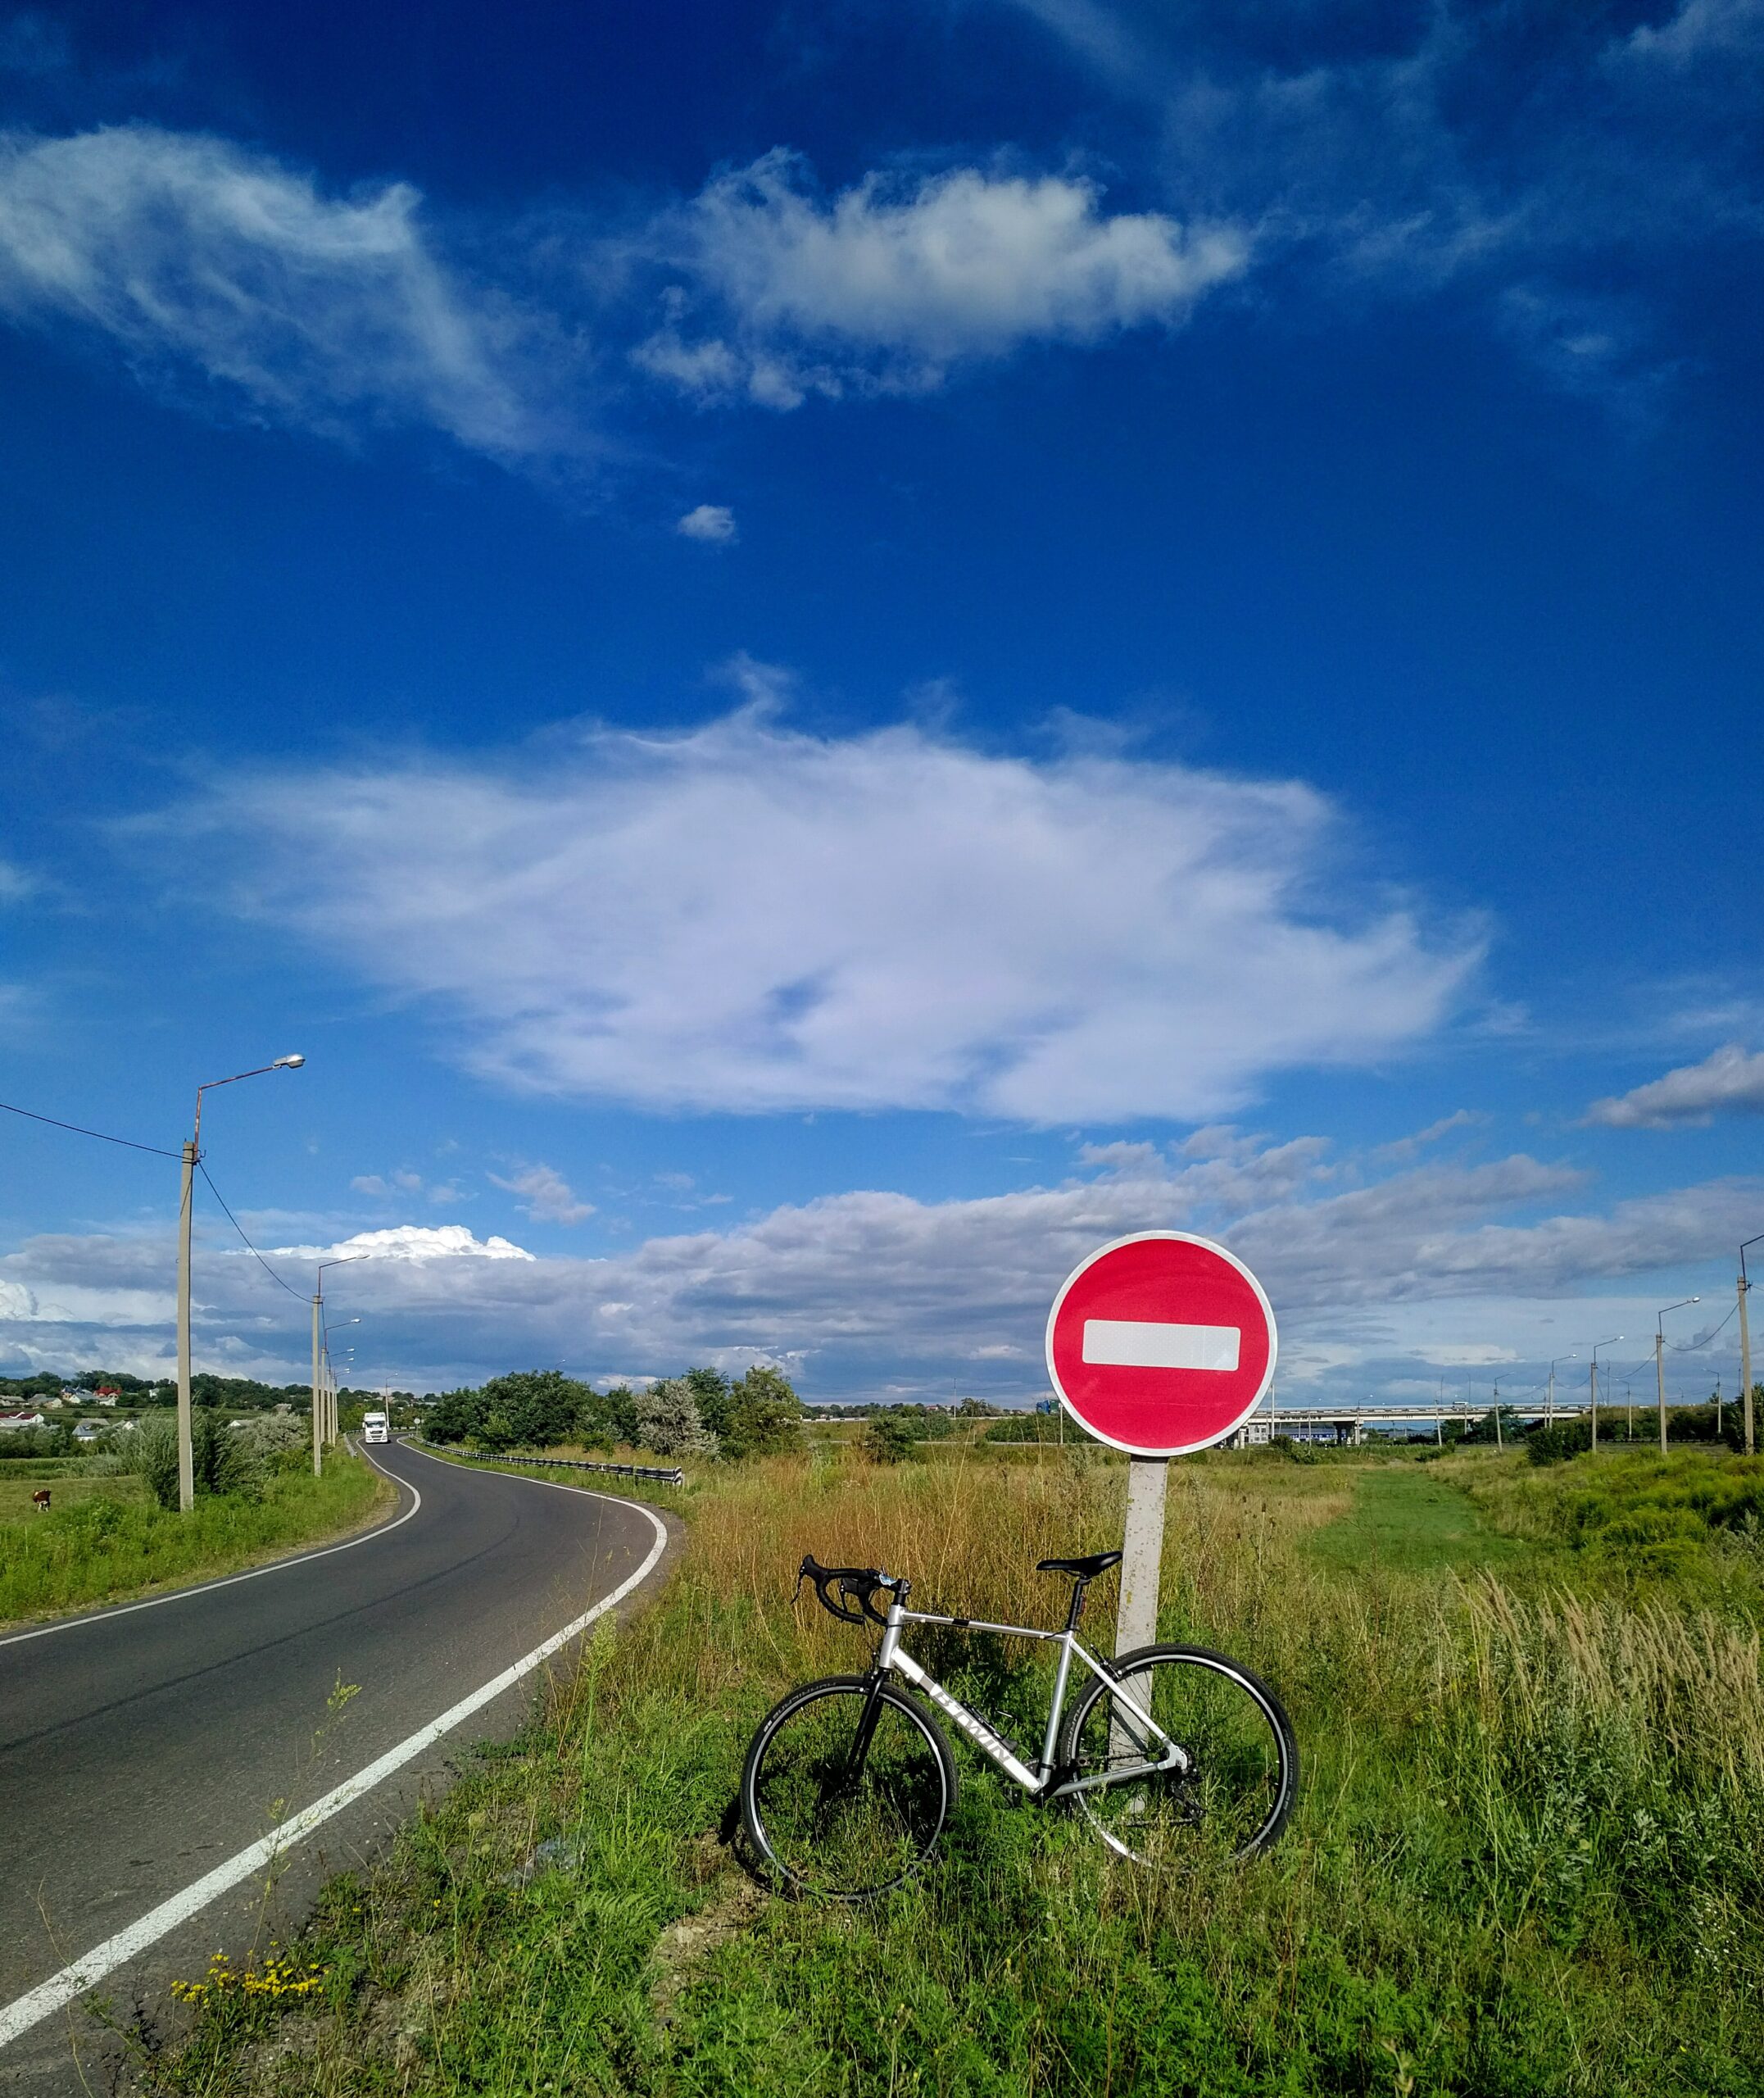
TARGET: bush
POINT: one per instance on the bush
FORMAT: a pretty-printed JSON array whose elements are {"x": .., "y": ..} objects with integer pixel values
[
  {"x": 226, "y": 1460},
  {"x": 668, "y": 1421}
]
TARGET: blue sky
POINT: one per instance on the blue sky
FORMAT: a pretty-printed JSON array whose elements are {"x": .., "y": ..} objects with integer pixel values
[{"x": 819, "y": 654}]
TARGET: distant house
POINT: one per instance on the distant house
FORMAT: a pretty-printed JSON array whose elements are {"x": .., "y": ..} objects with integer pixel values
[
  {"x": 89, "y": 1431},
  {"x": 32, "y": 1420}
]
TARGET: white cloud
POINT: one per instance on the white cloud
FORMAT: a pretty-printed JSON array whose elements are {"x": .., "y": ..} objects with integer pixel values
[
  {"x": 410, "y": 1241},
  {"x": 1729, "y": 1082},
  {"x": 546, "y": 1195},
  {"x": 746, "y": 917},
  {"x": 17, "y": 886},
  {"x": 1373, "y": 1281},
  {"x": 194, "y": 255},
  {"x": 894, "y": 280},
  {"x": 712, "y": 522}
]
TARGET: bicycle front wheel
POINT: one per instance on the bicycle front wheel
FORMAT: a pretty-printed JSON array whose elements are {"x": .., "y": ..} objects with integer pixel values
[
  {"x": 1231, "y": 1790},
  {"x": 834, "y": 1814}
]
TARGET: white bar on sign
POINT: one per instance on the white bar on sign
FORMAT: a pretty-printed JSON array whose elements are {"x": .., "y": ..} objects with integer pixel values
[{"x": 1142, "y": 1344}]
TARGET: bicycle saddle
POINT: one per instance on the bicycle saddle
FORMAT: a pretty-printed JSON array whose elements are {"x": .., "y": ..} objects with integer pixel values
[{"x": 1085, "y": 1570}]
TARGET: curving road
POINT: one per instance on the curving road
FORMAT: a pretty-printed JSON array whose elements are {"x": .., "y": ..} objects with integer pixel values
[{"x": 145, "y": 1749}]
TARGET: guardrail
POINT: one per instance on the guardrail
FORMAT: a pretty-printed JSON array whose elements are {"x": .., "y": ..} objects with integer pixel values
[{"x": 663, "y": 1474}]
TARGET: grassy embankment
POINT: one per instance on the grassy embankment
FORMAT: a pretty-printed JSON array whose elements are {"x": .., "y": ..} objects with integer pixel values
[
  {"x": 1527, "y": 1859},
  {"x": 105, "y": 1541}
]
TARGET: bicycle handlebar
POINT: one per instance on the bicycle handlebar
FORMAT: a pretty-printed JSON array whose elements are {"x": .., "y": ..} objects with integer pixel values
[{"x": 856, "y": 1585}]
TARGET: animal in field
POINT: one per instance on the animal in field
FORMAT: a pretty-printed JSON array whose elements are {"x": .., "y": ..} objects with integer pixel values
[{"x": 40, "y": 1501}]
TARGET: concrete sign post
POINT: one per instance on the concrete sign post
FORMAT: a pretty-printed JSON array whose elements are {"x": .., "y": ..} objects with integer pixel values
[{"x": 1159, "y": 1344}]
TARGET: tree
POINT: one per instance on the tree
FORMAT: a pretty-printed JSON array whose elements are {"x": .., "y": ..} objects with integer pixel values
[
  {"x": 762, "y": 1415},
  {"x": 891, "y": 1436},
  {"x": 608, "y": 1418},
  {"x": 711, "y": 1394},
  {"x": 668, "y": 1421}
]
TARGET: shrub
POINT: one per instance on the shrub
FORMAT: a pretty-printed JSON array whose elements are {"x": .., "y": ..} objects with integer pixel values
[{"x": 668, "y": 1421}]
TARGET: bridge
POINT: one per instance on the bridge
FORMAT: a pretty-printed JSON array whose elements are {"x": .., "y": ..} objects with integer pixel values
[{"x": 1348, "y": 1423}]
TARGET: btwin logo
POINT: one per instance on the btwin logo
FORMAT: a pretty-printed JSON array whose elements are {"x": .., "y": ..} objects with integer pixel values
[{"x": 975, "y": 1730}]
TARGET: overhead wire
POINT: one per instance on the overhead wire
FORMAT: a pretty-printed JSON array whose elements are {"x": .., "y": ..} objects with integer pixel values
[
  {"x": 128, "y": 1143},
  {"x": 240, "y": 1228}
]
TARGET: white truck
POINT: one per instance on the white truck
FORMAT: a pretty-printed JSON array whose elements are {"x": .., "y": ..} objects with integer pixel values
[{"x": 375, "y": 1428}]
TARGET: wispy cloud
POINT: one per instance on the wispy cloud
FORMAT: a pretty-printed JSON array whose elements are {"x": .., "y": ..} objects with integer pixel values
[
  {"x": 892, "y": 282},
  {"x": 747, "y": 918},
  {"x": 1730, "y": 1081},
  {"x": 545, "y": 1195},
  {"x": 205, "y": 263},
  {"x": 1545, "y": 165}
]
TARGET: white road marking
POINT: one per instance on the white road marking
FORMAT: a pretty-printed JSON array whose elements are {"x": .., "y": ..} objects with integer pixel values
[
  {"x": 1143, "y": 1344},
  {"x": 230, "y": 1580},
  {"x": 91, "y": 1968}
]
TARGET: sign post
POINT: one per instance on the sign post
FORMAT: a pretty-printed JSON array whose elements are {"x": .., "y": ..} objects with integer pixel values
[{"x": 1159, "y": 1344}]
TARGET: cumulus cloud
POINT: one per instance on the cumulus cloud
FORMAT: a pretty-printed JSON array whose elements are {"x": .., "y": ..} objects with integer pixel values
[
  {"x": 894, "y": 280},
  {"x": 546, "y": 1195},
  {"x": 746, "y": 918},
  {"x": 712, "y": 522},
  {"x": 410, "y": 1241},
  {"x": 868, "y": 1290},
  {"x": 1730, "y": 1081},
  {"x": 201, "y": 259}
]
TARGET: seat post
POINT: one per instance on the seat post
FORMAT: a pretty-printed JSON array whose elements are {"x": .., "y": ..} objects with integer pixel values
[{"x": 1077, "y": 1605}]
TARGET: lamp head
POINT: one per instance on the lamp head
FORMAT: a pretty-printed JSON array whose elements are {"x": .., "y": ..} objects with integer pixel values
[{"x": 288, "y": 1063}]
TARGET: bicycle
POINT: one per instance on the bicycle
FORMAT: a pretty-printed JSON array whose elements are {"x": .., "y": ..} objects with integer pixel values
[{"x": 850, "y": 1782}]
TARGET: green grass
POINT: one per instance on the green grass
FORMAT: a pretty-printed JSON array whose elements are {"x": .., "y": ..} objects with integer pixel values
[
  {"x": 66, "y": 1489},
  {"x": 1407, "y": 1519},
  {"x": 1528, "y": 1860},
  {"x": 111, "y": 1543}
]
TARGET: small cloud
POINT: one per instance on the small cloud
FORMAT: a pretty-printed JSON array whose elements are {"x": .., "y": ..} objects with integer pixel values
[
  {"x": 1729, "y": 1082},
  {"x": 14, "y": 884},
  {"x": 679, "y": 1183},
  {"x": 370, "y": 1183},
  {"x": 711, "y": 522},
  {"x": 546, "y": 1195},
  {"x": 1406, "y": 1146}
]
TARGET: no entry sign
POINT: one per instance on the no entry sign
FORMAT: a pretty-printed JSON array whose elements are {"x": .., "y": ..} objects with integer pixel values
[{"x": 1161, "y": 1343}]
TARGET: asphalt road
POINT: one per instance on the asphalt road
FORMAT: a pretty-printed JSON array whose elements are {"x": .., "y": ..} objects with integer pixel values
[{"x": 140, "y": 1750}]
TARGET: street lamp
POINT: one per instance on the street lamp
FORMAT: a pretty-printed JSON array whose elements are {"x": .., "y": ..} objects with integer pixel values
[
  {"x": 1745, "y": 1345},
  {"x": 321, "y": 1428},
  {"x": 1549, "y": 1401},
  {"x": 1592, "y": 1381},
  {"x": 1659, "y": 1359},
  {"x": 192, "y": 1153}
]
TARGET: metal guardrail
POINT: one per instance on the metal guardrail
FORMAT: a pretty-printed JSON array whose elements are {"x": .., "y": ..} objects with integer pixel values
[{"x": 664, "y": 1475}]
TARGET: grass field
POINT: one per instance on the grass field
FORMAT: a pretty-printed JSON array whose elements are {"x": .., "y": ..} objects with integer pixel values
[
  {"x": 104, "y": 1540},
  {"x": 1527, "y": 1858}
]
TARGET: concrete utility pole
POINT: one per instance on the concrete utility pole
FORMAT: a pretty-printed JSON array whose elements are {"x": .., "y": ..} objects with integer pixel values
[
  {"x": 323, "y": 1420},
  {"x": 193, "y": 1153},
  {"x": 1745, "y": 1349},
  {"x": 1593, "y": 1385},
  {"x": 1659, "y": 1359},
  {"x": 1549, "y": 1403}
]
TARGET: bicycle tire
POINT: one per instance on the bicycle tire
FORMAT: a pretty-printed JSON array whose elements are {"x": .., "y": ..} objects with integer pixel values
[
  {"x": 1239, "y": 1792},
  {"x": 820, "y": 1835}
]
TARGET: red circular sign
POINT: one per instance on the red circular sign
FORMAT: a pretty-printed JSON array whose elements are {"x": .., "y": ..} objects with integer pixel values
[{"x": 1161, "y": 1343}]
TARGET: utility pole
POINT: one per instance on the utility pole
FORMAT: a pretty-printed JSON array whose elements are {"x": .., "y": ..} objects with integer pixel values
[
  {"x": 1659, "y": 1359},
  {"x": 1593, "y": 1384},
  {"x": 1745, "y": 1350},
  {"x": 193, "y": 1153},
  {"x": 186, "y": 1445},
  {"x": 318, "y": 1416}
]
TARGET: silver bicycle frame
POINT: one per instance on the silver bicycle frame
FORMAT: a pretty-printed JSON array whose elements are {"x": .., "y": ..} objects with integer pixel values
[{"x": 1037, "y": 1777}]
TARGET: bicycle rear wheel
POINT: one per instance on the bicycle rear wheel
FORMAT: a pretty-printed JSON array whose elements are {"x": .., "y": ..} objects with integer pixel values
[
  {"x": 1240, "y": 1772},
  {"x": 835, "y": 1817}
]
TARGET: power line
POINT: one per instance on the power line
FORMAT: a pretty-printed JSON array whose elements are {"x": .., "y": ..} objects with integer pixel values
[
  {"x": 128, "y": 1143},
  {"x": 240, "y": 1228}
]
